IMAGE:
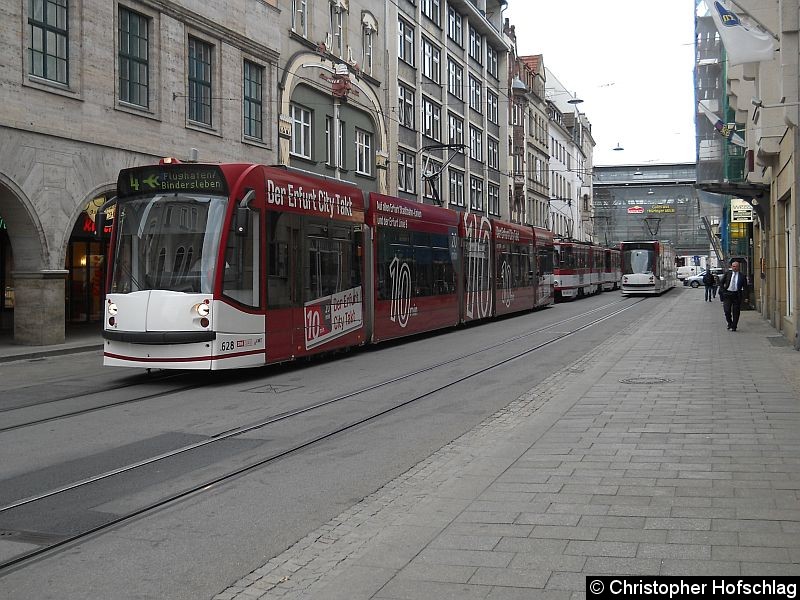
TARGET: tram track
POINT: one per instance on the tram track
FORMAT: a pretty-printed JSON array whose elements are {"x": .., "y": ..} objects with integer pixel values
[
  {"x": 162, "y": 377},
  {"x": 210, "y": 483}
]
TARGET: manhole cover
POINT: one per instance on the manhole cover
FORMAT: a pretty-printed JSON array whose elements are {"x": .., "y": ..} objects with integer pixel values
[{"x": 644, "y": 380}]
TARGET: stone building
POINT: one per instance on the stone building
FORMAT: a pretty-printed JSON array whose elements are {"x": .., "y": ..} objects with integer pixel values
[
  {"x": 759, "y": 101},
  {"x": 332, "y": 80},
  {"x": 90, "y": 87}
]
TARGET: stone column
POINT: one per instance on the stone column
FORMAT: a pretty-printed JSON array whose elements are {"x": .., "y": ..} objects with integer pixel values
[{"x": 39, "y": 307}]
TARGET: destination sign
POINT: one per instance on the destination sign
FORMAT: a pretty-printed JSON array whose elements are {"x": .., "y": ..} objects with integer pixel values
[{"x": 205, "y": 179}]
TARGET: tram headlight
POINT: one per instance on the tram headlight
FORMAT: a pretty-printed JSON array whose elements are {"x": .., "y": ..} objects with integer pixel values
[
  {"x": 202, "y": 309},
  {"x": 555, "y": 282},
  {"x": 112, "y": 309}
]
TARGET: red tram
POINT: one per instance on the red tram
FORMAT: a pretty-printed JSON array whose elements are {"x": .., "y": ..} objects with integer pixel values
[{"x": 238, "y": 265}]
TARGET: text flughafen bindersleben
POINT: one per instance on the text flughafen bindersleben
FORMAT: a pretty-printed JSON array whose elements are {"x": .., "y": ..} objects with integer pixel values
[{"x": 710, "y": 587}]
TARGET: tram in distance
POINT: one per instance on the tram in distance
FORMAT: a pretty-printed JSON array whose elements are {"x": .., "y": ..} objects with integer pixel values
[
  {"x": 648, "y": 267},
  {"x": 217, "y": 266},
  {"x": 583, "y": 269}
]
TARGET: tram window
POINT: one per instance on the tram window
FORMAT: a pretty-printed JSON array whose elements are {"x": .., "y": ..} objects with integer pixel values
[
  {"x": 241, "y": 269},
  {"x": 279, "y": 279}
]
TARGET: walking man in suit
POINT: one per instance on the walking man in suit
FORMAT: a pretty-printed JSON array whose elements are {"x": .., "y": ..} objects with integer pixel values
[{"x": 732, "y": 288}]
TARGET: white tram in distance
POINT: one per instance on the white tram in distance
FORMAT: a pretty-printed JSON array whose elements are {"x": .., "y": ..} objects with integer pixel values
[{"x": 648, "y": 267}]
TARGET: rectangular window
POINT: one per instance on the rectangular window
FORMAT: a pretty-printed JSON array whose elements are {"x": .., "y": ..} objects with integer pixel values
[
  {"x": 493, "y": 198},
  {"x": 406, "y": 41},
  {"x": 430, "y": 60},
  {"x": 433, "y": 183},
  {"x": 406, "y": 108},
  {"x": 491, "y": 61},
  {"x": 332, "y": 143},
  {"x": 300, "y": 17},
  {"x": 253, "y": 100},
  {"x": 492, "y": 153},
  {"x": 475, "y": 95},
  {"x": 455, "y": 79},
  {"x": 432, "y": 114},
  {"x": 492, "y": 112},
  {"x": 49, "y": 40},
  {"x": 456, "y": 127},
  {"x": 200, "y": 83},
  {"x": 134, "y": 68},
  {"x": 432, "y": 10},
  {"x": 405, "y": 172},
  {"x": 454, "y": 31},
  {"x": 475, "y": 143},
  {"x": 475, "y": 45},
  {"x": 337, "y": 30},
  {"x": 363, "y": 152},
  {"x": 366, "y": 50},
  {"x": 301, "y": 131},
  {"x": 456, "y": 187},
  {"x": 475, "y": 193}
]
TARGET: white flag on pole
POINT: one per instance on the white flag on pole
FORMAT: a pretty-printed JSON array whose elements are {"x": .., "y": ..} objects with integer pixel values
[{"x": 743, "y": 44}]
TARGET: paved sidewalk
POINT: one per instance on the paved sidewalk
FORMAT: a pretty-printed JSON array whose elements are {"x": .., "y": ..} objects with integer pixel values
[
  {"x": 672, "y": 448},
  {"x": 79, "y": 338}
]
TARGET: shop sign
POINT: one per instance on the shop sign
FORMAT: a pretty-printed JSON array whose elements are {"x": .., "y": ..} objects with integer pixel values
[
  {"x": 741, "y": 211},
  {"x": 635, "y": 210}
]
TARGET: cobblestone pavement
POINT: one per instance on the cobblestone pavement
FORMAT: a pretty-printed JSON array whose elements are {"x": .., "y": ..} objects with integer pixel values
[{"x": 670, "y": 449}]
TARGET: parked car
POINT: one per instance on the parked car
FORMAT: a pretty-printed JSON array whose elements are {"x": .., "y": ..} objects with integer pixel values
[{"x": 696, "y": 281}]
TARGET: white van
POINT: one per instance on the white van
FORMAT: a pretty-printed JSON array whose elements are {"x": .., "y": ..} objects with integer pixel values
[{"x": 688, "y": 271}]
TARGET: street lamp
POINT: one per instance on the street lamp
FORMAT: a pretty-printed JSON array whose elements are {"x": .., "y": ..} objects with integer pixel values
[{"x": 556, "y": 92}]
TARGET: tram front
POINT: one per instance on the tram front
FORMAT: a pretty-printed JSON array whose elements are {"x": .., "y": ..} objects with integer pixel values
[{"x": 183, "y": 291}]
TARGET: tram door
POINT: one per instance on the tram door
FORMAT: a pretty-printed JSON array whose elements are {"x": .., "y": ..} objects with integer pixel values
[{"x": 284, "y": 277}]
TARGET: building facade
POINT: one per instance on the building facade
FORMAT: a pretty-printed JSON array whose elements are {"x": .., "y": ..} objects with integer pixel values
[
  {"x": 760, "y": 102},
  {"x": 571, "y": 150},
  {"x": 332, "y": 81},
  {"x": 653, "y": 201},
  {"x": 447, "y": 104},
  {"x": 89, "y": 88}
]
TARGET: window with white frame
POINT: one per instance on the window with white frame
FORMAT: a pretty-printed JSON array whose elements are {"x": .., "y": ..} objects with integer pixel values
[
  {"x": 475, "y": 193},
  {"x": 455, "y": 79},
  {"x": 363, "y": 152},
  {"x": 300, "y": 17},
  {"x": 492, "y": 111},
  {"x": 492, "y": 153},
  {"x": 301, "y": 130},
  {"x": 456, "y": 128},
  {"x": 334, "y": 144},
  {"x": 406, "y": 41},
  {"x": 475, "y": 45},
  {"x": 491, "y": 61},
  {"x": 430, "y": 60},
  {"x": 432, "y": 116},
  {"x": 405, "y": 109},
  {"x": 456, "y": 187},
  {"x": 475, "y": 94},
  {"x": 493, "y": 199},
  {"x": 475, "y": 143},
  {"x": 405, "y": 171},
  {"x": 432, "y": 10},
  {"x": 432, "y": 183},
  {"x": 337, "y": 30},
  {"x": 366, "y": 49},
  {"x": 454, "y": 26}
]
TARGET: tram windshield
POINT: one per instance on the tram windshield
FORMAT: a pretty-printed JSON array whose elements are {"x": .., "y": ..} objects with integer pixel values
[
  {"x": 167, "y": 242},
  {"x": 638, "y": 261}
]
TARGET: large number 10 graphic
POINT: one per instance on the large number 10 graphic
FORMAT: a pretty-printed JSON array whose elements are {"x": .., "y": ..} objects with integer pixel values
[{"x": 400, "y": 310}]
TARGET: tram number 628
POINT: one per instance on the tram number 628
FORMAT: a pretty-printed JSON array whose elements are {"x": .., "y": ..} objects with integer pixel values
[{"x": 226, "y": 346}]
